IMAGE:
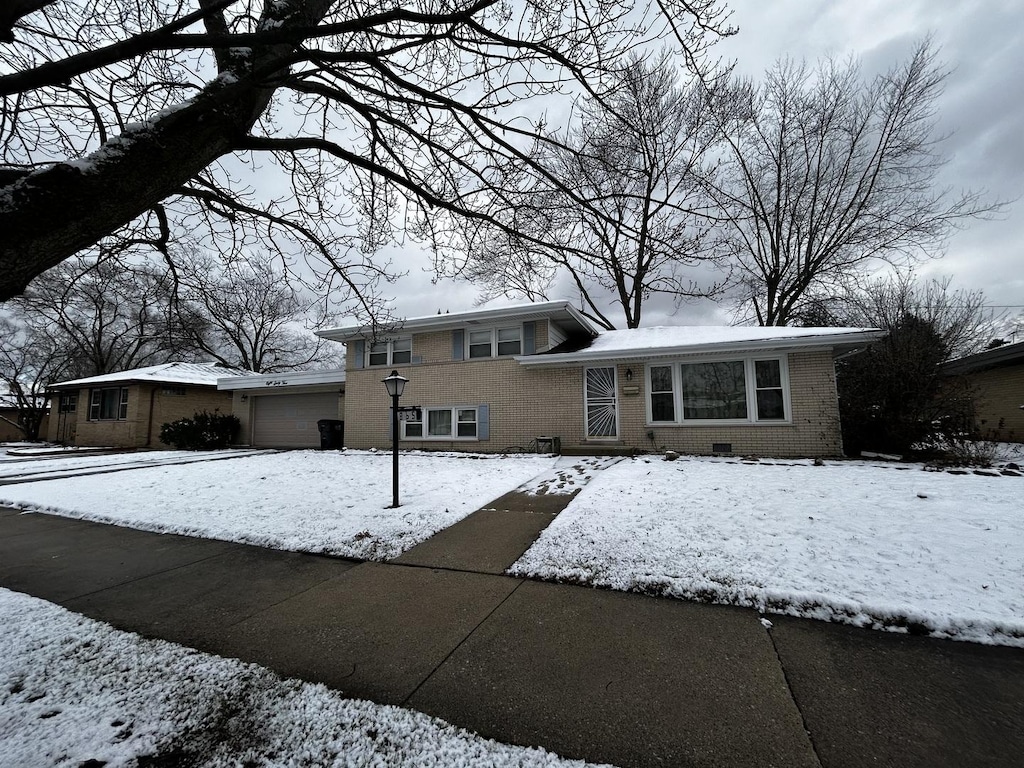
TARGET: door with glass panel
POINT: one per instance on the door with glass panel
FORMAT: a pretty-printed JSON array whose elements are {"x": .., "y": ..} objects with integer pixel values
[{"x": 601, "y": 403}]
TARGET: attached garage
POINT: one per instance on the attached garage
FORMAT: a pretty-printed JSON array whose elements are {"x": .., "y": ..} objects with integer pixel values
[
  {"x": 282, "y": 410},
  {"x": 290, "y": 421}
]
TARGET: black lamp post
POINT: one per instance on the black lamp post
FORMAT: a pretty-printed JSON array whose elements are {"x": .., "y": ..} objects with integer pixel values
[{"x": 396, "y": 386}]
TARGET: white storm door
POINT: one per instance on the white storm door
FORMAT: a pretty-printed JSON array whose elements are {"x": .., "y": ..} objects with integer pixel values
[{"x": 601, "y": 403}]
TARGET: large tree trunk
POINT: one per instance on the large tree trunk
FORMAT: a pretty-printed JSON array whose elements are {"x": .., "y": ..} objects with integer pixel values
[{"x": 50, "y": 214}]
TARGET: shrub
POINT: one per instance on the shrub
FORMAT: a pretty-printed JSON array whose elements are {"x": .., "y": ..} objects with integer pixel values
[{"x": 202, "y": 432}]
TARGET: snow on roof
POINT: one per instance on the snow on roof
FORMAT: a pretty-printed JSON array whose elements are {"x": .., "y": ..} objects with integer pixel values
[
  {"x": 690, "y": 339},
  {"x": 200, "y": 374}
]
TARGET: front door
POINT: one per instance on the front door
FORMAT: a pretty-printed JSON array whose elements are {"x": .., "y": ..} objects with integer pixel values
[{"x": 601, "y": 403}]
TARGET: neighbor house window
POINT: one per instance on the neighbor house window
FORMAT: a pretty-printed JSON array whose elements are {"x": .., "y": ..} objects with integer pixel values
[
  {"x": 392, "y": 352},
  {"x": 68, "y": 402},
  {"x": 496, "y": 342},
  {"x": 108, "y": 404},
  {"x": 175, "y": 391},
  {"x": 745, "y": 390},
  {"x": 443, "y": 424}
]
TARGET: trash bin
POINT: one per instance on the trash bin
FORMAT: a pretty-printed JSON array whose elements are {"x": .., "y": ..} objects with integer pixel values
[{"x": 332, "y": 433}]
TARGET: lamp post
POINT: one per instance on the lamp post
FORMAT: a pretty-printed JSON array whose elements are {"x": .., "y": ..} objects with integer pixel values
[{"x": 396, "y": 386}]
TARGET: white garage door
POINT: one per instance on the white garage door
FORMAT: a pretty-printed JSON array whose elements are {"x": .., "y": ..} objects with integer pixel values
[{"x": 289, "y": 421}]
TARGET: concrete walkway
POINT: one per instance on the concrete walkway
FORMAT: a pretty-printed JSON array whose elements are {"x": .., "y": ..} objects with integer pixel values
[{"x": 605, "y": 676}]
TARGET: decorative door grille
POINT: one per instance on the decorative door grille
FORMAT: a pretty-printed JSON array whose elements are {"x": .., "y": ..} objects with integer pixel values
[{"x": 601, "y": 403}]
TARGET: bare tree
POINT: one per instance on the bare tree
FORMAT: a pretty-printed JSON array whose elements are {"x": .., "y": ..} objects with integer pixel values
[
  {"x": 895, "y": 395},
  {"x": 249, "y": 315},
  {"x": 626, "y": 219},
  {"x": 826, "y": 175},
  {"x": 126, "y": 127},
  {"x": 103, "y": 318},
  {"x": 30, "y": 359}
]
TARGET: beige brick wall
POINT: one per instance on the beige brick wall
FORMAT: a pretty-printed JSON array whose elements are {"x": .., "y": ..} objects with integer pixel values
[
  {"x": 168, "y": 408},
  {"x": 998, "y": 400},
  {"x": 141, "y": 428},
  {"x": 525, "y": 403}
]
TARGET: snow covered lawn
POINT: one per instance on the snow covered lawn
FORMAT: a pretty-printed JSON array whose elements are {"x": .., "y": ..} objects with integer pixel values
[
  {"x": 312, "y": 501},
  {"x": 76, "y": 692},
  {"x": 900, "y": 548}
]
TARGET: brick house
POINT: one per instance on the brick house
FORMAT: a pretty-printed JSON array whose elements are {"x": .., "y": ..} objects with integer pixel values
[
  {"x": 541, "y": 375},
  {"x": 995, "y": 378},
  {"x": 126, "y": 409}
]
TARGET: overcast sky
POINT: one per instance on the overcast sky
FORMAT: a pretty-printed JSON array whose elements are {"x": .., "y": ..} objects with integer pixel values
[{"x": 983, "y": 108}]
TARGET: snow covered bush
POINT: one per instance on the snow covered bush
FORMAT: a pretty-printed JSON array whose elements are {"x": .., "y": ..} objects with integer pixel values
[{"x": 202, "y": 432}]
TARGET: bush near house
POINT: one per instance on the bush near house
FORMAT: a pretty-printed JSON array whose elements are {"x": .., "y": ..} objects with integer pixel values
[{"x": 201, "y": 432}]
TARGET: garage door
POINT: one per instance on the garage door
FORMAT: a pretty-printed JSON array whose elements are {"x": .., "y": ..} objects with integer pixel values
[{"x": 289, "y": 421}]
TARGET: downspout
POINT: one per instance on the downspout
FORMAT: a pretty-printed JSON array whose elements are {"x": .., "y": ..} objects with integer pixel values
[{"x": 149, "y": 427}]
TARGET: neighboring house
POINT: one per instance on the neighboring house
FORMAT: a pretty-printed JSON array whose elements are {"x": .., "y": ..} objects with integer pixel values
[
  {"x": 281, "y": 410},
  {"x": 540, "y": 376},
  {"x": 10, "y": 418},
  {"x": 996, "y": 380},
  {"x": 127, "y": 409}
]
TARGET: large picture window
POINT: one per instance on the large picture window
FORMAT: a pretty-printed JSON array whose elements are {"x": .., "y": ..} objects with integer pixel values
[
  {"x": 714, "y": 391},
  {"x": 391, "y": 352},
  {"x": 443, "y": 424},
  {"x": 108, "y": 404}
]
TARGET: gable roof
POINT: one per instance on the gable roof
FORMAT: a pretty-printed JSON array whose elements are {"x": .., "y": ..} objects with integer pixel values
[
  {"x": 1007, "y": 354},
  {"x": 195, "y": 374},
  {"x": 663, "y": 341},
  {"x": 562, "y": 312}
]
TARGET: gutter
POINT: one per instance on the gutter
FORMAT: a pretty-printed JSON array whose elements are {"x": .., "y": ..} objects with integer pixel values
[{"x": 830, "y": 341}]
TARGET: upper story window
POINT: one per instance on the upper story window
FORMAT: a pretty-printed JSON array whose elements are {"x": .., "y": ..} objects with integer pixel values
[
  {"x": 744, "y": 390},
  {"x": 495, "y": 342},
  {"x": 108, "y": 404},
  {"x": 392, "y": 352}
]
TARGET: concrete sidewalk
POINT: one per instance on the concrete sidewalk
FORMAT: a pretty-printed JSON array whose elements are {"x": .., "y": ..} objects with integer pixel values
[{"x": 605, "y": 676}]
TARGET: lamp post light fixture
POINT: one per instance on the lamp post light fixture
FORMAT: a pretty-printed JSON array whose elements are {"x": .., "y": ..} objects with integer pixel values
[{"x": 396, "y": 386}]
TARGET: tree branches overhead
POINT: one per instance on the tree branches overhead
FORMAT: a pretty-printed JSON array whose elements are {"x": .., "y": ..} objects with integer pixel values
[{"x": 359, "y": 116}]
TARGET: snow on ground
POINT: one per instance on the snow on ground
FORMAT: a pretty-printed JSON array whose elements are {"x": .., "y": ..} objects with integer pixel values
[
  {"x": 85, "y": 462},
  {"x": 570, "y": 475},
  {"x": 864, "y": 544},
  {"x": 327, "y": 502},
  {"x": 77, "y": 692}
]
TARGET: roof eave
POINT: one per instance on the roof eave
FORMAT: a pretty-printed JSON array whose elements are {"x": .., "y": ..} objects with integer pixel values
[
  {"x": 845, "y": 342},
  {"x": 460, "y": 319}
]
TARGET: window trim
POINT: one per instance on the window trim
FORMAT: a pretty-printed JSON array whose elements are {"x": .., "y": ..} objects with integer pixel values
[
  {"x": 750, "y": 381},
  {"x": 494, "y": 342},
  {"x": 368, "y": 351},
  {"x": 454, "y": 434},
  {"x": 96, "y": 404}
]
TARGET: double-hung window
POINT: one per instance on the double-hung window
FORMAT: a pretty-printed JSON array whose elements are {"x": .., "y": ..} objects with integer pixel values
[
  {"x": 443, "y": 424},
  {"x": 390, "y": 352},
  {"x": 747, "y": 390},
  {"x": 495, "y": 342},
  {"x": 108, "y": 404}
]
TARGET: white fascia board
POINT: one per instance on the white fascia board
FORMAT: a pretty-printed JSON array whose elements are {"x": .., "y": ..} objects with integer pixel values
[
  {"x": 807, "y": 344},
  {"x": 459, "y": 319},
  {"x": 282, "y": 380}
]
